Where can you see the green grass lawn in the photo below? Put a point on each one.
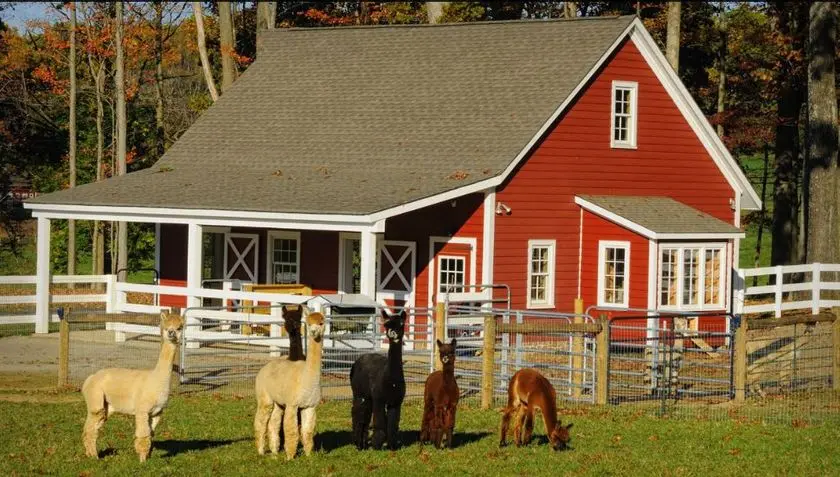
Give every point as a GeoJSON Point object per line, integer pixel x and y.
{"type": "Point", "coordinates": [207, 435]}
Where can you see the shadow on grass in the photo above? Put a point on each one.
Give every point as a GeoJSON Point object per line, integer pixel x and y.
{"type": "Point", "coordinates": [175, 447]}
{"type": "Point", "coordinates": [329, 441]}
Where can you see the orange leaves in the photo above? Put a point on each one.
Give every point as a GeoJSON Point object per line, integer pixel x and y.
{"type": "Point", "coordinates": [47, 75]}
{"type": "Point", "coordinates": [319, 17]}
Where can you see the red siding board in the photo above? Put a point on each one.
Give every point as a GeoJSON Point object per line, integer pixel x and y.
{"type": "Point", "coordinates": [576, 158]}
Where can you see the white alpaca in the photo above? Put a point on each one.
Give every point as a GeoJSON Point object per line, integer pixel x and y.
{"type": "Point", "coordinates": [282, 388]}
{"type": "Point", "coordinates": [141, 392]}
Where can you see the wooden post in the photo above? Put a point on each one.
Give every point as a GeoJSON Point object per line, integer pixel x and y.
{"type": "Point", "coordinates": [577, 373]}
{"type": "Point", "coordinates": [63, 352]}
{"type": "Point", "coordinates": [835, 343]}
{"type": "Point", "coordinates": [488, 363]}
{"type": "Point", "coordinates": [740, 368]}
{"type": "Point", "coordinates": [440, 331]}
{"type": "Point", "coordinates": [602, 371]}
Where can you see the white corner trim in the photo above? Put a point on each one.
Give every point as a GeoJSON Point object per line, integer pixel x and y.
{"type": "Point", "coordinates": [488, 239]}
{"type": "Point", "coordinates": [551, 244]}
{"type": "Point", "coordinates": [580, 254]}
{"type": "Point", "coordinates": [342, 236]}
{"type": "Point", "coordinates": [693, 115]}
{"type": "Point", "coordinates": [603, 245]}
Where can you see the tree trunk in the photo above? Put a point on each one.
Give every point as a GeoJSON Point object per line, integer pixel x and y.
{"type": "Point", "coordinates": [119, 84]}
{"type": "Point", "coordinates": [672, 45]}
{"type": "Point", "coordinates": [160, 132]}
{"type": "Point", "coordinates": [823, 201]}
{"type": "Point", "coordinates": [226, 45]}
{"type": "Point", "coordinates": [71, 224]}
{"type": "Point", "coordinates": [570, 9]}
{"type": "Point", "coordinates": [266, 15]}
{"type": "Point", "coordinates": [98, 75]}
{"type": "Point", "coordinates": [434, 10]}
{"type": "Point", "coordinates": [202, 51]}
{"type": "Point", "coordinates": [721, 100]}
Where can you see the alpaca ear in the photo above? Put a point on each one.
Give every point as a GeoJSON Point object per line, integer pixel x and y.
{"type": "Point", "coordinates": [439, 343]}
{"type": "Point", "coordinates": [162, 317]}
{"type": "Point", "coordinates": [454, 342]}
{"type": "Point", "coordinates": [384, 315]}
{"type": "Point", "coordinates": [305, 311]}
{"type": "Point", "coordinates": [569, 426]}
{"type": "Point", "coordinates": [284, 309]}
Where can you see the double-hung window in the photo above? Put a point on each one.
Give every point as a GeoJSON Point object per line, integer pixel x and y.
{"type": "Point", "coordinates": [691, 276]}
{"type": "Point", "coordinates": [624, 117]}
{"type": "Point", "coordinates": [540, 274]}
{"type": "Point", "coordinates": [613, 274]}
{"type": "Point", "coordinates": [451, 274]}
{"type": "Point", "coordinates": [283, 257]}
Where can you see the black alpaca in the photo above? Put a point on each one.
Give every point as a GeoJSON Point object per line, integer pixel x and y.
{"type": "Point", "coordinates": [378, 385]}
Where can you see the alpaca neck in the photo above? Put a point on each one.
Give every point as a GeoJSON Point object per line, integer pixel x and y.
{"type": "Point", "coordinates": [295, 347]}
{"type": "Point", "coordinates": [395, 367]}
{"type": "Point", "coordinates": [313, 358]}
{"type": "Point", "coordinates": [548, 409]}
{"type": "Point", "coordinates": [165, 359]}
{"type": "Point", "coordinates": [448, 372]}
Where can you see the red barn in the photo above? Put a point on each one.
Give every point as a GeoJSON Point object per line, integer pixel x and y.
{"type": "Point", "coordinates": [563, 159]}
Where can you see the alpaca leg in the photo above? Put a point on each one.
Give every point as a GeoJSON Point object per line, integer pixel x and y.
{"type": "Point", "coordinates": [506, 416]}
{"type": "Point", "coordinates": [307, 426]}
{"type": "Point", "coordinates": [290, 431]}
{"type": "Point", "coordinates": [273, 431]}
{"type": "Point", "coordinates": [519, 420]}
{"type": "Point", "coordinates": [142, 435]}
{"type": "Point", "coordinates": [426, 425]}
{"type": "Point", "coordinates": [93, 423]}
{"type": "Point", "coordinates": [380, 423]}
{"type": "Point", "coordinates": [437, 432]}
{"type": "Point", "coordinates": [362, 410]}
{"type": "Point", "coordinates": [529, 426]}
{"type": "Point", "coordinates": [393, 430]}
{"type": "Point", "coordinates": [155, 422]}
{"type": "Point", "coordinates": [450, 426]}
{"type": "Point", "coordinates": [261, 422]}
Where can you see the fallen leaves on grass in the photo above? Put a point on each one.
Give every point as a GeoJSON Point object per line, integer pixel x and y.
{"type": "Point", "coordinates": [653, 437]}
{"type": "Point", "coordinates": [799, 423]}
{"type": "Point", "coordinates": [734, 451]}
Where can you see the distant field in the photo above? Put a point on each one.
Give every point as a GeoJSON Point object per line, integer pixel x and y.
{"type": "Point", "coordinates": [212, 435]}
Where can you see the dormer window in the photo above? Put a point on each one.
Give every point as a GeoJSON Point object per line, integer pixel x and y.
{"type": "Point", "coordinates": [624, 114]}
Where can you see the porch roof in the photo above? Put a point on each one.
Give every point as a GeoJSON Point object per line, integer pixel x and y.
{"type": "Point", "coordinates": [357, 120]}
{"type": "Point", "coordinates": [658, 217]}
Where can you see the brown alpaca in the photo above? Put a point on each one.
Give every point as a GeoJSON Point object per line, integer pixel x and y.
{"type": "Point", "coordinates": [139, 392]}
{"type": "Point", "coordinates": [440, 399]}
{"type": "Point", "coordinates": [528, 390]}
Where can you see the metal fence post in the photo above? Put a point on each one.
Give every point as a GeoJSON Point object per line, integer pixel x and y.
{"type": "Point", "coordinates": [577, 353]}
{"type": "Point", "coordinates": [63, 349]}
{"type": "Point", "coordinates": [602, 372]}
{"type": "Point", "coordinates": [740, 368]}
{"type": "Point", "coordinates": [519, 341]}
{"type": "Point", "coordinates": [440, 330]}
{"type": "Point", "coordinates": [488, 356]}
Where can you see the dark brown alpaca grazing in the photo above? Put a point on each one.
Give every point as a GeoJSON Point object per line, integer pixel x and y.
{"type": "Point", "coordinates": [529, 390]}
{"type": "Point", "coordinates": [440, 400]}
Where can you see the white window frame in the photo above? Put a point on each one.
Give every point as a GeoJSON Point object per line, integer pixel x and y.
{"type": "Point", "coordinates": [551, 245]}
{"type": "Point", "coordinates": [701, 270]}
{"type": "Point", "coordinates": [269, 262]}
{"type": "Point", "coordinates": [440, 260]}
{"type": "Point", "coordinates": [632, 123]}
{"type": "Point", "coordinates": [603, 245]}
{"type": "Point", "coordinates": [343, 237]}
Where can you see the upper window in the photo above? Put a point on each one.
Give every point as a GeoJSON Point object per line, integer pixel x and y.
{"type": "Point", "coordinates": [283, 257]}
{"type": "Point", "coordinates": [624, 114]}
{"type": "Point", "coordinates": [451, 274]}
{"type": "Point", "coordinates": [540, 274]}
{"type": "Point", "coordinates": [613, 273]}
{"type": "Point", "coordinates": [691, 276]}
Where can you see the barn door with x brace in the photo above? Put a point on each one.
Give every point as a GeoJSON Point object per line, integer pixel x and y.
{"type": "Point", "coordinates": [395, 277]}
{"type": "Point", "coordinates": [241, 256]}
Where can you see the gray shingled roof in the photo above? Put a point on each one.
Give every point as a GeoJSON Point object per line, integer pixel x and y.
{"type": "Point", "coordinates": [661, 215]}
{"type": "Point", "coordinates": [355, 120]}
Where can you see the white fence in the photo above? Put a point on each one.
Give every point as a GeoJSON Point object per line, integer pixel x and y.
{"type": "Point", "coordinates": [24, 300]}
{"type": "Point", "coordinates": [795, 287]}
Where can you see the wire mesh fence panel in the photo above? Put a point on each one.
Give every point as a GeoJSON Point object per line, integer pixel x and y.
{"type": "Point", "coordinates": [672, 362]}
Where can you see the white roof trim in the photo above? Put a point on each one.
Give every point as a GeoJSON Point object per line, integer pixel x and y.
{"type": "Point", "coordinates": [646, 232]}
{"type": "Point", "coordinates": [694, 116]}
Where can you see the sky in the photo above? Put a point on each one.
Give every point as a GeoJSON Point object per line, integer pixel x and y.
{"type": "Point", "coordinates": [20, 12]}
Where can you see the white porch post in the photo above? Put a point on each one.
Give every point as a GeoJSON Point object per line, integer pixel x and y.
{"type": "Point", "coordinates": [368, 251]}
{"type": "Point", "coordinates": [488, 240]}
{"type": "Point", "coordinates": [194, 244]}
{"type": "Point", "coordinates": [42, 283]}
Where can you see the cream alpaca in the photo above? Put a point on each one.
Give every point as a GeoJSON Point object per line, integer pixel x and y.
{"type": "Point", "coordinates": [282, 388]}
{"type": "Point", "coordinates": [141, 392]}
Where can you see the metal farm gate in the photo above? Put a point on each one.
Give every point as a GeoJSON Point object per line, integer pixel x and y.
{"type": "Point", "coordinates": [227, 346]}
{"type": "Point", "coordinates": [668, 358]}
